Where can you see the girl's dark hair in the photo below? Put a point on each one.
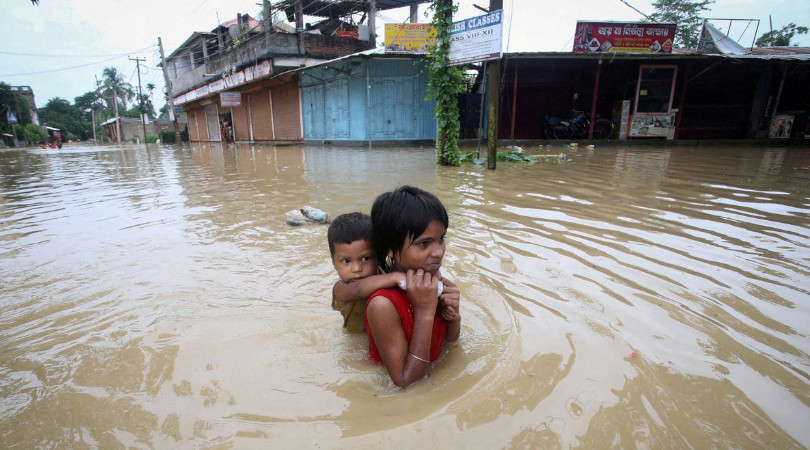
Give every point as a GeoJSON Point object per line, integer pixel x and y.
{"type": "Point", "coordinates": [403, 213]}
{"type": "Point", "coordinates": [347, 228]}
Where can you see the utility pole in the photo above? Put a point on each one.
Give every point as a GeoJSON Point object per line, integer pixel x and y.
{"type": "Point", "coordinates": [372, 22]}
{"type": "Point", "coordinates": [140, 96]}
{"type": "Point", "coordinates": [100, 95]}
{"type": "Point", "coordinates": [494, 99]}
{"type": "Point", "coordinates": [267, 12]}
{"type": "Point", "coordinates": [169, 95]}
{"type": "Point", "coordinates": [299, 25]}
{"type": "Point", "coordinates": [93, 118]}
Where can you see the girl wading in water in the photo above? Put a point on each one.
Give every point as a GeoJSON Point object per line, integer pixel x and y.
{"type": "Point", "coordinates": [407, 328]}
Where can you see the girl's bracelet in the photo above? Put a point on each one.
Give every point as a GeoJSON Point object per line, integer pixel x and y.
{"type": "Point", "coordinates": [418, 358]}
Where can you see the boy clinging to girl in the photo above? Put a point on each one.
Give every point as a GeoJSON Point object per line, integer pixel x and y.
{"type": "Point", "coordinates": [352, 250]}
{"type": "Point", "coordinates": [354, 259]}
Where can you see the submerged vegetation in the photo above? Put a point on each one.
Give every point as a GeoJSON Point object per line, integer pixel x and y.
{"type": "Point", "coordinates": [512, 156]}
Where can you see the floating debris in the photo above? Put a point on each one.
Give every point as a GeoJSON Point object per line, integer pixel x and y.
{"type": "Point", "coordinates": [514, 157]}
{"type": "Point", "coordinates": [307, 214]}
{"type": "Point", "coordinates": [552, 158]}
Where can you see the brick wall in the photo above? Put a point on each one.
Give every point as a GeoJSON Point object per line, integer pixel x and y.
{"type": "Point", "coordinates": [329, 47]}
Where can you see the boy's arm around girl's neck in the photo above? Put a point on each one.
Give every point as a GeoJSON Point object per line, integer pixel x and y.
{"type": "Point", "coordinates": [362, 289]}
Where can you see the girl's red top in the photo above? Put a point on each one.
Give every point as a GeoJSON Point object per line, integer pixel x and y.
{"type": "Point", "coordinates": [400, 300]}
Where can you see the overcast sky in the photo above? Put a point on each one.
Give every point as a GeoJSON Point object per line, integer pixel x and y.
{"type": "Point", "coordinates": [59, 47]}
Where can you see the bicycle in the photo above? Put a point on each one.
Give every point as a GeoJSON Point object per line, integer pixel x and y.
{"type": "Point", "coordinates": [578, 125]}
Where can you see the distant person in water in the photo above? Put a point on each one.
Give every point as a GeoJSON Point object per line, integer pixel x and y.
{"type": "Point", "coordinates": [350, 244]}
{"type": "Point", "coordinates": [408, 328]}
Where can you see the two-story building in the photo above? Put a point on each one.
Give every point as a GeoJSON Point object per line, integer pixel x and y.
{"type": "Point", "coordinates": [28, 93]}
{"type": "Point", "coordinates": [239, 81]}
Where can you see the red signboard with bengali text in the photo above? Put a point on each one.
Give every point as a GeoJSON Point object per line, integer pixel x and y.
{"type": "Point", "coordinates": [630, 37]}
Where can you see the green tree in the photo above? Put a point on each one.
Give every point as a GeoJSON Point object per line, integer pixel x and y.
{"type": "Point", "coordinates": [115, 87]}
{"type": "Point", "coordinates": [134, 112]}
{"type": "Point", "coordinates": [60, 113]}
{"type": "Point", "coordinates": [115, 90]}
{"type": "Point", "coordinates": [780, 38]}
{"type": "Point", "coordinates": [16, 103]}
{"type": "Point", "coordinates": [444, 84]}
{"type": "Point", "coordinates": [35, 133]}
{"type": "Point", "coordinates": [686, 14]}
{"type": "Point", "coordinates": [88, 103]}
{"type": "Point", "coordinates": [148, 105]}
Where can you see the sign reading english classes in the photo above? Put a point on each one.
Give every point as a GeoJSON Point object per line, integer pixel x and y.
{"type": "Point", "coordinates": [476, 39]}
{"type": "Point", "coordinates": [629, 37]}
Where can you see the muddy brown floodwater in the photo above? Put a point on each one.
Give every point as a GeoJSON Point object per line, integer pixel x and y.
{"type": "Point", "coordinates": [627, 297]}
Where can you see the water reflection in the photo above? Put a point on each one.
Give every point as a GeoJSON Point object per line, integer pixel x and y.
{"type": "Point", "coordinates": [626, 297]}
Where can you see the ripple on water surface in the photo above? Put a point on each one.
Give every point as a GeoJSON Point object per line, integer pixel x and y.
{"type": "Point", "coordinates": [627, 296]}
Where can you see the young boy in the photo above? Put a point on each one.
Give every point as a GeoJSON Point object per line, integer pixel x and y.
{"type": "Point", "coordinates": [353, 256]}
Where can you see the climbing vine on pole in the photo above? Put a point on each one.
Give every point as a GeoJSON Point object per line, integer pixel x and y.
{"type": "Point", "coordinates": [444, 84]}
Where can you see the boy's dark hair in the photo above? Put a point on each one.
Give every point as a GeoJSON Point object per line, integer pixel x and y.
{"type": "Point", "coordinates": [347, 228]}
{"type": "Point", "coordinates": [404, 212]}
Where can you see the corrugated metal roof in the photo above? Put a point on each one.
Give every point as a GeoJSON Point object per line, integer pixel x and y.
{"type": "Point", "coordinates": [378, 52]}
{"type": "Point", "coordinates": [762, 53]}
{"type": "Point", "coordinates": [789, 50]}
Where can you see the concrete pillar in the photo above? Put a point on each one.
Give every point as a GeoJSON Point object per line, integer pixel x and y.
{"type": "Point", "coordinates": [372, 21]}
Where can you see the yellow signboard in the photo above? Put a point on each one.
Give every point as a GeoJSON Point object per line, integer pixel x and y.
{"type": "Point", "coordinates": [409, 37]}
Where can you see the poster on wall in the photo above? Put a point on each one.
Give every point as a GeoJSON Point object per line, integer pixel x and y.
{"type": "Point", "coordinates": [630, 37]}
{"type": "Point", "coordinates": [230, 99]}
{"type": "Point", "coordinates": [409, 37]}
{"type": "Point", "coordinates": [651, 125]}
{"type": "Point", "coordinates": [781, 126]}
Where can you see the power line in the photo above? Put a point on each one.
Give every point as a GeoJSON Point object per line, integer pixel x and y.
{"type": "Point", "coordinates": [74, 67]}
{"type": "Point", "coordinates": [62, 55]}
{"type": "Point", "coordinates": [637, 10]}
{"type": "Point", "coordinates": [59, 70]}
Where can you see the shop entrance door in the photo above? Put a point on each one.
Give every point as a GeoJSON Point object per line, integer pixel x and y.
{"type": "Point", "coordinates": [212, 123]}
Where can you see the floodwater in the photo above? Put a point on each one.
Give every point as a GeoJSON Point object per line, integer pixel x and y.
{"type": "Point", "coordinates": [627, 297]}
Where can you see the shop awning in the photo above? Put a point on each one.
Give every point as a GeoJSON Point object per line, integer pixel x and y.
{"type": "Point", "coordinates": [713, 40]}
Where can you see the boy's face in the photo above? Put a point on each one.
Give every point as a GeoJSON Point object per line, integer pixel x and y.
{"type": "Point", "coordinates": [354, 261]}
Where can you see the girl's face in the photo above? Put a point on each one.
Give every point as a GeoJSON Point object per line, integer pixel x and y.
{"type": "Point", "coordinates": [425, 252]}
